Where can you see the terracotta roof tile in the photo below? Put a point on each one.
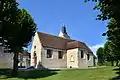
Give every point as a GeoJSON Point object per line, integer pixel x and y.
{"type": "Point", "coordinates": [52, 41]}
{"type": "Point", "coordinates": [74, 44]}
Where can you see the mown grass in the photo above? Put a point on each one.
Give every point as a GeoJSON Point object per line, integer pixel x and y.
{"type": "Point", "coordinates": [105, 73]}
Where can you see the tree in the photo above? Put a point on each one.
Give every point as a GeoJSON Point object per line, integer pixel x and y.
{"type": "Point", "coordinates": [20, 33]}
{"type": "Point", "coordinates": [17, 28]}
{"type": "Point", "coordinates": [110, 11]}
{"type": "Point", "coordinates": [108, 8]}
{"type": "Point", "coordinates": [100, 55]}
{"type": "Point", "coordinates": [108, 53]}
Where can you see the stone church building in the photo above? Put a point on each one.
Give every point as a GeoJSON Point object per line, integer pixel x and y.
{"type": "Point", "coordinates": [60, 51]}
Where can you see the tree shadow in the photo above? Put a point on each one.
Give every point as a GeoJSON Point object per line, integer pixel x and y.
{"type": "Point", "coordinates": [27, 74]}
{"type": "Point", "coordinates": [117, 71]}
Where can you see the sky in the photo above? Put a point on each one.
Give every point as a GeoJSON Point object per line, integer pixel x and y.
{"type": "Point", "coordinates": [78, 16]}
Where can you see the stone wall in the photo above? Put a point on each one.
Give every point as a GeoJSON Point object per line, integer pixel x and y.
{"type": "Point", "coordinates": [53, 62]}
{"type": "Point", "coordinates": [37, 50]}
{"type": "Point", "coordinates": [83, 62]}
{"type": "Point", "coordinates": [91, 60]}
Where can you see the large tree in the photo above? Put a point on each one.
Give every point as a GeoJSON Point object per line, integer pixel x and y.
{"type": "Point", "coordinates": [17, 28]}
{"type": "Point", "coordinates": [109, 10]}
{"type": "Point", "coordinates": [20, 33]}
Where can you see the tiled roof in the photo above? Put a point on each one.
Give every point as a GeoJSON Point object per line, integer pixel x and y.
{"type": "Point", "coordinates": [74, 44]}
{"type": "Point", "coordinates": [51, 41]}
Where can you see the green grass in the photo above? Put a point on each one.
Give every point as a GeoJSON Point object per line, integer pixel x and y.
{"type": "Point", "coordinates": [105, 73]}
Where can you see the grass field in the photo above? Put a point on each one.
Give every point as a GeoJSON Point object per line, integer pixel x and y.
{"type": "Point", "coordinates": [106, 73]}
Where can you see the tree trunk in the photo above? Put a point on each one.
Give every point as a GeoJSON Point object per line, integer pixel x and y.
{"type": "Point", "coordinates": [117, 63]}
{"type": "Point", "coordinates": [112, 63]}
{"type": "Point", "coordinates": [15, 63]}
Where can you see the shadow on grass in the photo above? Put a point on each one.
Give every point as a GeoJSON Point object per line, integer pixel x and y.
{"type": "Point", "coordinates": [27, 74]}
{"type": "Point", "coordinates": [117, 71]}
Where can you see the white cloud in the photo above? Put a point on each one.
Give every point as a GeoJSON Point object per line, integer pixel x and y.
{"type": "Point", "coordinates": [95, 47]}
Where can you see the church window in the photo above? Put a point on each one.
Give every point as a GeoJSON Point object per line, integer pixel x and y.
{"type": "Point", "coordinates": [88, 56]}
{"type": "Point", "coordinates": [60, 55]}
{"type": "Point", "coordinates": [82, 54]}
{"type": "Point", "coordinates": [49, 53]}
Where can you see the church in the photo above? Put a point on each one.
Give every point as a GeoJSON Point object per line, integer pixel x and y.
{"type": "Point", "coordinates": [50, 51]}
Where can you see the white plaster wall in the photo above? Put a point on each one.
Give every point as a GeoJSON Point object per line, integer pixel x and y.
{"type": "Point", "coordinates": [37, 43]}
{"type": "Point", "coordinates": [82, 62]}
{"type": "Point", "coordinates": [74, 53]}
{"type": "Point", "coordinates": [91, 60]}
{"type": "Point", "coordinates": [53, 62]}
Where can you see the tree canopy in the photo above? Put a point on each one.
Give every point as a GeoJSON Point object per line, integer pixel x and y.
{"type": "Point", "coordinates": [17, 27]}
{"type": "Point", "coordinates": [109, 10]}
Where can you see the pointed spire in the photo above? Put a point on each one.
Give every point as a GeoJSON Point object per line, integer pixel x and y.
{"type": "Point", "coordinates": [64, 29]}
{"type": "Point", "coordinates": [63, 32]}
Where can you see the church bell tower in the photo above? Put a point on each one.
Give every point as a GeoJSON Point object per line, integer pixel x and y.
{"type": "Point", "coordinates": [63, 32]}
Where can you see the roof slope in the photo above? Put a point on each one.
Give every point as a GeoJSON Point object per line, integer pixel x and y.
{"type": "Point", "coordinates": [56, 42]}
{"type": "Point", "coordinates": [52, 41]}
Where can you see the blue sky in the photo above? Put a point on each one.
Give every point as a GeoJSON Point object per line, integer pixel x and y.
{"type": "Point", "coordinates": [79, 17]}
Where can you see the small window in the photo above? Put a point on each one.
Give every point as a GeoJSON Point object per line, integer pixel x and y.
{"type": "Point", "coordinates": [60, 55]}
{"type": "Point", "coordinates": [34, 47]}
{"type": "Point", "coordinates": [88, 56]}
{"type": "Point", "coordinates": [82, 54]}
{"type": "Point", "coordinates": [49, 53]}
{"type": "Point", "coordinates": [34, 54]}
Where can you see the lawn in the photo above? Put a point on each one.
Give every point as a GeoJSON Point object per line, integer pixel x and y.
{"type": "Point", "coordinates": [105, 73]}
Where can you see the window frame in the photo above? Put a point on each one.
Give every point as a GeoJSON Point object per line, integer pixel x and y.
{"type": "Point", "coordinates": [49, 54]}
{"type": "Point", "coordinates": [60, 55]}
{"type": "Point", "coordinates": [82, 54]}
{"type": "Point", "coordinates": [88, 58]}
